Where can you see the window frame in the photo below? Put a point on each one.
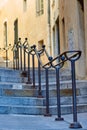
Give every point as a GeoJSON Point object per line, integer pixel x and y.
{"type": "Point", "coordinates": [39, 7]}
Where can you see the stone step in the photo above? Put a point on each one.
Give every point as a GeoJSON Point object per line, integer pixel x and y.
{"type": "Point", "coordinates": [7, 72]}
{"type": "Point", "coordinates": [66, 84]}
{"type": "Point", "coordinates": [9, 75]}
{"type": "Point", "coordinates": [18, 92]}
{"type": "Point", "coordinates": [39, 110]}
{"type": "Point", "coordinates": [19, 79]}
{"type": "Point", "coordinates": [35, 101]}
{"type": "Point", "coordinates": [68, 109]}
{"type": "Point", "coordinates": [63, 84]}
{"type": "Point", "coordinates": [52, 78]}
{"type": "Point", "coordinates": [25, 101]}
{"type": "Point", "coordinates": [63, 71]}
{"type": "Point", "coordinates": [34, 92]}
{"type": "Point", "coordinates": [21, 98]}
{"type": "Point", "coordinates": [13, 79]}
{"type": "Point", "coordinates": [9, 89]}
{"type": "Point", "coordinates": [64, 75]}
{"type": "Point", "coordinates": [10, 85]}
{"type": "Point", "coordinates": [4, 71]}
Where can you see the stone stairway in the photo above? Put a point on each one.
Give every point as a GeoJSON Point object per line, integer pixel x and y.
{"type": "Point", "coordinates": [17, 97]}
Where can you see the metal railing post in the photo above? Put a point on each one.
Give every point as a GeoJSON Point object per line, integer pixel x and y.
{"type": "Point", "coordinates": [39, 78]}
{"type": "Point", "coordinates": [38, 53]}
{"type": "Point", "coordinates": [59, 118]}
{"type": "Point", "coordinates": [6, 58]}
{"type": "Point", "coordinates": [47, 93]}
{"type": "Point", "coordinates": [24, 60]}
{"type": "Point", "coordinates": [33, 65]}
{"type": "Point", "coordinates": [75, 123]}
{"type": "Point", "coordinates": [18, 59]}
{"type": "Point", "coordinates": [72, 56]}
{"type": "Point", "coordinates": [21, 57]}
{"type": "Point", "coordinates": [29, 80]}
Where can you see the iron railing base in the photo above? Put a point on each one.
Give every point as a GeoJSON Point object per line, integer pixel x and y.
{"type": "Point", "coordinates": [75, 125]}
{"type": "Point", "coordinates": [59, 119]}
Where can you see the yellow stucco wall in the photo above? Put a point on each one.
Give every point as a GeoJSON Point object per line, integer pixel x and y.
{"type": "Point", "coordinates": [72, 30]}
{"type": "Point", "coordinates": [72, 26]}
{"type": "Point", "coordinates": [29, 24]}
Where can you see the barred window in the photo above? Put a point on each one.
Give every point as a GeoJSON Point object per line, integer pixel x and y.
{"type": "Point", "coordinates": [39, 7]}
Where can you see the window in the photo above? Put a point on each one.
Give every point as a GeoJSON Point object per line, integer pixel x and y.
{"type": "Point", "coordinates": [5, 34]}
{"type": "Point", "coordinates": [63, 33]}
{"type": "Point", "coordinates": [16, 36]}
{"type": "Point", "coordinates": [39, 7]}
{"type": "Point", "coordinates": [16, 30]}
{"type": "Point", "coordinates": [40, 44]}
{"type": "Point", "coordinates": [82, 4]}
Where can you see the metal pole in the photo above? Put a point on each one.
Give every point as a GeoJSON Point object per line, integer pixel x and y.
{"type": "Point", "coordinates": [21, 57]}
{"type": "Point", "coordinates": [75, 124]}
{"type": "Point", "coordinates": [39, 79]}
{"type": "Point", "coordinates": [13, 61]}
{"type": "Point", "coordinates": [16, 60]}
{"type": "Point", "coordinates": [24, 60]}
{"type": "Point", "coordinates": [47, 94]}
{"type": "Point", "coordinates": [59, 118]}
{"type": "Point", "coordinates": [29, 80]}
{"type": "Point", "coordinates": [33, 65]}
{"type": "Point", "coordinates": [18, 57]}
{"type": "Point", "coordinates": [6, 58]}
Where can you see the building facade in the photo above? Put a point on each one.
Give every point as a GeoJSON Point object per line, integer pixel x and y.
{"type": "Point", "coordinates": [55, 42]}
{"type": "Point", "coordinates": [59, 24]}
{"type": "Point", "coordinates": [73, 33]}
{"type": "Point", "coordinates": [23, 18]}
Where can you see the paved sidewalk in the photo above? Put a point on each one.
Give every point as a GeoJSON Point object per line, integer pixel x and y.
{"type": "Point", "coordinates": [25, 122]}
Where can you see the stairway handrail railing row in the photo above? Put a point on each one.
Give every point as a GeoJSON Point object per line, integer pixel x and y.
{"type": "Point", "coordinates": [57, 63]}
{"type": "Point", "coordinates": [71, 56]}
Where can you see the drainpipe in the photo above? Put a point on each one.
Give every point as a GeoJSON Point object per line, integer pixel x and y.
{"type": "Point", "coordinates": [49, 28]}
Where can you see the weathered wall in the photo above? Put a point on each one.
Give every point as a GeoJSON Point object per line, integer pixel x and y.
{"type": "Point", "coordinates": [29, 24]}
{"type": "Point", "coordinates": [85, 29]}
{"type": "Point", "coordinates": [55, 27]}
{"type": "Point", "coordinates": [72, 34]}
{"type": "Point", "coordinates": [72, 26]}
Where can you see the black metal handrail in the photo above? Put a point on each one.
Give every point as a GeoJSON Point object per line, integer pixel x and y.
{"type": "Point", "coordinates": [38, 53]}
{"type": "Point", "coordinates": [16, 48]}
{"type": "Point", "coordinates": [64, 57]}
{"type": "Point", "coordinates": [71, 56]}
{"type": "Point", "coordinates": [57, 63]}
